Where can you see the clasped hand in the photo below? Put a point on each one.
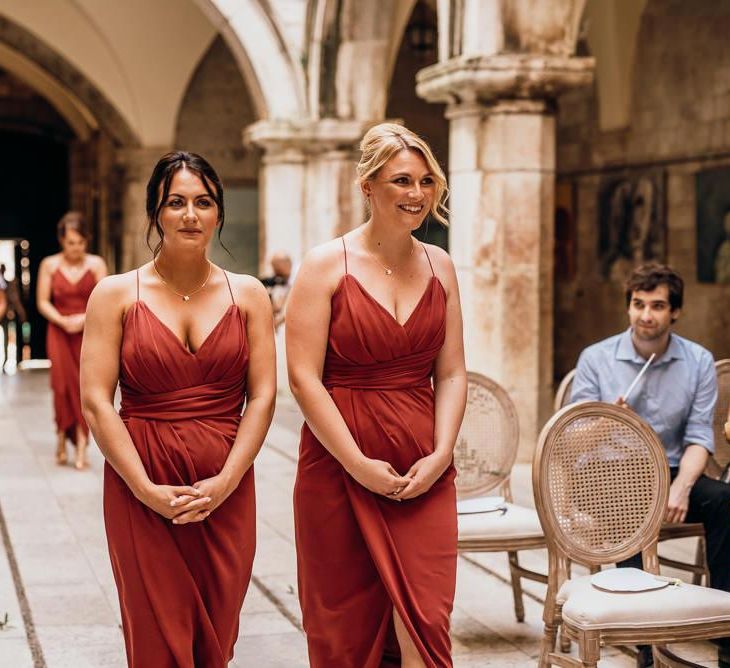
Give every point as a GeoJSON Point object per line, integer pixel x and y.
{"type": "Point", "coordinates": [380, 477]}
{"type": "Point", "coordinates": [73, 324]}
{"type": "Point", "coordinates": [188, 503]}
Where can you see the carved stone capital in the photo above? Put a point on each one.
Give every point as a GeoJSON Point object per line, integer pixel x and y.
{"type": "Point", "coordinates": [292, 140]}
{"type": "Point", "coordinates": [487, 79]}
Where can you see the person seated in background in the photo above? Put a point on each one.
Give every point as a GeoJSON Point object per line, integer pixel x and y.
{"type": "Point", "coordinates": [676, 397]}
{"type": "Point", "coordinates": [278, 285]}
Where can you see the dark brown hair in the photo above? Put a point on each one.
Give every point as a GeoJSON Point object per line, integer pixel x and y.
{"type": "Point", "coordinates": [72, 220]}
{"type": "Point", "coordinates": [158, 188]}
{"type": "Point", "coordinates": [647, 277]}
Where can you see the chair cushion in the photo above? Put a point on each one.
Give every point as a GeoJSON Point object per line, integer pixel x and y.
{"type": "Point", "coordinates": [517, 522]}
{"type": "Point", "coordinates": [587, 607]}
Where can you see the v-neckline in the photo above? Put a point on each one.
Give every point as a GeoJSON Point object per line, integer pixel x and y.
{"type": "Point", "coordinates": [168, 329]}
{"type": "Point", "coordinates": [68, 280]}
{"type": "Point", "coordinates": [382, 308]}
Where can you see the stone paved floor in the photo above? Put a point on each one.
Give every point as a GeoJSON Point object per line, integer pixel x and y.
{"type": "Point", "coordinates": [58, 568]}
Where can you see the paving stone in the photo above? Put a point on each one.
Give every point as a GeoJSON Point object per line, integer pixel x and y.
{"type": "Point", "coordinates": [285, 650]}
{"type": "Point", "coordinates": [55, 520]}
{"type": "Point", "coordinates": [14, 652]}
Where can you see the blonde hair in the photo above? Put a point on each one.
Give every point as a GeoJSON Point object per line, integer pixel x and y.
{"type": "Point", "coordinates": [382, 142]}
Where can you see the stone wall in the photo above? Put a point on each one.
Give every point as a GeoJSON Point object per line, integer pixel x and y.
{"type": "Point", "coordinates": [427, 119]}
{"type": "Point", "coordinates": [679, 126]}
{"type": "Point", "coordinates": [215, 110]}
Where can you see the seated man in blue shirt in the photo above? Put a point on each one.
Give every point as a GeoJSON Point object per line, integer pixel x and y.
{"type": "Point", "coordinates": [676, 396]}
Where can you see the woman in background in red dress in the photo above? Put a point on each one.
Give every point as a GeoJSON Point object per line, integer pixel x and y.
{"type": "Point", "coordinates": [376, 362]}
{"type": "Point", "coordinates": [189, 344]}
{"type": "Point", "coordinates": [65, 281]}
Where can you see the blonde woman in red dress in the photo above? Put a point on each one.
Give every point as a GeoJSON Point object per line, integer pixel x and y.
{"type": "Point", "coordinates": [65, 281]}
{"type": "Point", "coordinates": [376, 362]}
{"type": "Point", "coordinates": [190, 345]}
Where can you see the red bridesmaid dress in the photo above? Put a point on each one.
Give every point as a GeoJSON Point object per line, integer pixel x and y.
{"type": "Point", "coordinates": [181, 587]}
{"type": "Point", "coordinates": [64, 351]}
{"type": "Point", "coordinates": [360, 554]}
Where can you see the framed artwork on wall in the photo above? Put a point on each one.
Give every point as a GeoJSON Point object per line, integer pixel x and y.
{"type": "Point", "coordinates": [632, 221]}
{"type": "Point", "coordinates": [712, 188]}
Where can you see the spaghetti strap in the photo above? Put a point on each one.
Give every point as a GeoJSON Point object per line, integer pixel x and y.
{"type": "Point", "coordinates": [137, 284]}
{"type": "Point", "coordinates": [229, 286]}
{"type": "Point", "coordinates": [433, 273]}
{"type": "Point", "coordinates": [344, 248]}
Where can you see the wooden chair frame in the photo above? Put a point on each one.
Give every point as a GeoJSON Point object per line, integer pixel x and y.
{"type": "Point", "coordinates": [498, 482]}
{"type": "Point", "coordinates": [562, 396]}
{"type": "Point", "coordinates": [721, 458]}
{"type": "Point", "coordinates": [561, 533]}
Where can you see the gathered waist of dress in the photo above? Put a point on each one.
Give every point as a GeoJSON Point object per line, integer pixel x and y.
{"type": "Point", "coordinates": [400, 374]}
{"type": "Point", "coordinates": [211, 400]}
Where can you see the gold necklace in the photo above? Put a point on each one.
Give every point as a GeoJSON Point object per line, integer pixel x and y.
{"type": "Point", "coordinates": [185, 298]}
{"type": "Point", "coordinates": [388, 271]}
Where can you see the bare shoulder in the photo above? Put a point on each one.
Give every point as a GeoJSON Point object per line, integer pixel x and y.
{"type": "Point", "coordinates": [114, 294]}
{"type": "Point", "coordinates": [96, 261]}
{"type": "Point", "coordinates": [246, 285]}
{"type": "Point", "coordinates": [442, 263]}
{"type": "Point", "coordinates": [248, 291]}
{"type": "Point", "coordinates": [324, 263]}
{"type": "Point", "coordinates": [50, 263]}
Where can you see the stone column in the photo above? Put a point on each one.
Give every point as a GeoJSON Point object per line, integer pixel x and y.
{"type": "Point", "coordinates": [502, 180]}
{"type": "Point", "coordinates": [307, 191]}
{"type": "Point", "coordinates": [136, 165]}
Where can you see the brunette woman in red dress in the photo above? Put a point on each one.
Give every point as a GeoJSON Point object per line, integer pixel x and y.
{"type": "Point", "coordinates": [190, 345]}
{"type": "Point", "coordinates": [376, 362]}
{"type": "Point", "coordinates": [65, 281]}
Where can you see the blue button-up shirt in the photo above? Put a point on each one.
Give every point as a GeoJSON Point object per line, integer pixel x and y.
{"type": "Point", "coordinates": [676, 395]}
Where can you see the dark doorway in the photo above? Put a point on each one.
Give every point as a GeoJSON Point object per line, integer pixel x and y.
{"type": "Point", "coordinates": [34, 191]}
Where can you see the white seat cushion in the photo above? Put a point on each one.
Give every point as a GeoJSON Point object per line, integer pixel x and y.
{"type": "Point", "coordinates": [517, 522]}
{"type": "Point", "coordinates": [587, 607]}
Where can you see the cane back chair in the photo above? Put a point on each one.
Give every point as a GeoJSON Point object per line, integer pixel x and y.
{"type": "Point", "coordinates": [486, 448]}
{"type": "Point", "coordinates": [601, 483]}
{"type": "Point", "coordinates": [562, 396]}
{"type": "Point", "coordinates": [699, 569]}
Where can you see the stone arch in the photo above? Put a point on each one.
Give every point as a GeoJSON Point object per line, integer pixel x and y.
{"type": "Point", "coordinates": [213, 130]}
{"type": "Point", "coordinates": [267, 62]}
{"type": "Point", "coordinates": [351, 51]}
{"type": "Point", "coordinates": [74, 96]}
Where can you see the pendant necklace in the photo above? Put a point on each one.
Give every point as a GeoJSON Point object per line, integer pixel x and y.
{"type": "Point", "coordinates": [388, 270]}
{"type": "Point", "coordinates": [185, 298]}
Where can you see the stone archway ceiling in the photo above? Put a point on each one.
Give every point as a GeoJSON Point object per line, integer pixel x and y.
{"type": "Point", "coordinates": [352, 47]}
{"type": "Point", "coordinates": [75, 97]}
{"type": "Point", "coordinates": [140, 55]}
{"type": "Point", "coordinates": [23, 109]}
{"type": "Point", "coordinates": [268, 55]}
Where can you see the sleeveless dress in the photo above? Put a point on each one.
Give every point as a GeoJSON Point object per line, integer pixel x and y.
{"type": "Point", "coordinates": [181, 587]}
{"type": "Point", "coordinates": [360, 554]}
{"type": "Point", "coordinates": [64, 351]}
